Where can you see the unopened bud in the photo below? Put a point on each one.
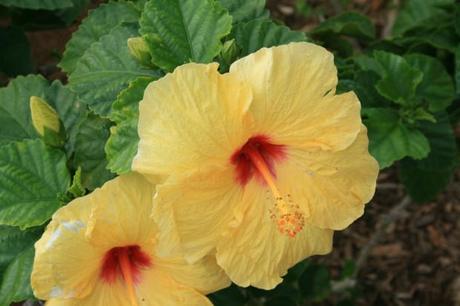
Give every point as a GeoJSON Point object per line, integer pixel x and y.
{"type": "Point", "coordinates": [140, 50]}
{"type": "Point", "coordinates": [43, 116]}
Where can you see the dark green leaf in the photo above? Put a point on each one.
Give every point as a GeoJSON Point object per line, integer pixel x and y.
{"type": "Point", "coordinates": [15, 56]}
{"type": "Point", "coordinates": [32, 178]}
{"type": "Point", "coordinates": [38, 4]}
{"type": "Point", "coordinates": [315, 282]}
{"type": "Point", "coordinates": [419, 12]}
{"type": "Point", "coordinates": [105, 69]}
{"type": "Point", "coordinates": [457, 69]}
{"type": "Point", "coordinates": [390, 139]}
{"type": "Point", "coordinates": [231, 296]}
{"type": "Point", "coordinates": [436, 88]}
{"type": "Point", "coordinates": [98, 23]}
{"type": "Point", "coordinates": [256, 34]}
{"type": "Point", "coordinates": [281, 301]}
{"type": "Point", "coordinates": [399, 80]}
{"type": "Point", "coordinates": [122, 144]}
{"type": "Point", "coordinates": [244, 11]}
{"type": "Point", "coordinates": [13, 241]}
{"type": "Point", "coordinates": [425, 178]}
{"type": "Point", "coordinates": [182, 31]}
{"type": "Point", "coordinates": [68, 15]}
{"type": "Point", "coordinates": [89, 151]}
{"type": "Point", "coordinates": [15, 286]}
{"type": "Point", "coordinates": [350, 24]}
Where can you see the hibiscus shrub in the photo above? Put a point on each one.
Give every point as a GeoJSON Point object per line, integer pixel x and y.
{"type": "Point", "coordinates": [60, 141]}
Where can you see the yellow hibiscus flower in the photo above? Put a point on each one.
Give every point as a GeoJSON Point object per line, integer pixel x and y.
{"type": "Point", "coordinates": [100, 250]}
{"type": "Point", "coordinates": [261, 164]}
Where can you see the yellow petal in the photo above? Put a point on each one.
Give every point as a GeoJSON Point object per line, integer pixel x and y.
{"type": "Point", "coordinates": [65, 265]}
{"type": "Point", "coordinates": [257, 254]}
{"type": "Point", "coordinates": [336, 185]}
{"type": "Point", "coordinates": [121, 213]}
{"type": "Point", "coordinates": [294, 103]}
{"type": "Point", "coordinates": [159, 289]}
{"type": "Point", "coordinates": [190, 118]}
{"type": "Point", "coordinates": [193, 211]}
{"type": "Point", "coordinates": [204, 275]}
{"type": "Point", "coordinates": [102, 295]}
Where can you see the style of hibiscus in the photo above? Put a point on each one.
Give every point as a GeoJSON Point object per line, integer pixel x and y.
{"type": "Point", "coordinates": [259, 164]}
{"type": "Point", "coordinates": [100, 250]}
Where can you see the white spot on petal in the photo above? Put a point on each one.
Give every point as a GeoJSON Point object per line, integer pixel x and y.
{"type": "Point", "coordinates": [54, 236]}
{"type": "Point", "coordinates": [73, 226]}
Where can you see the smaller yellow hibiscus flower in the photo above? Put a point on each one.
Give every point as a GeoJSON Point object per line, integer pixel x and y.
{"type": "Point", "coordinates": [261, 163]}
{"type": "Point", "coordinates": [100, 250]}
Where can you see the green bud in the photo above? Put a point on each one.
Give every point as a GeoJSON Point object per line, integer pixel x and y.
{"type": "Point", "coordinates": [43, 116]}
{"type": "Point", "coordinates": [139, 50]}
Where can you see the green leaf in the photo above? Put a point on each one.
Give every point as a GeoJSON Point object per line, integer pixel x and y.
{"type": "Point", "coordinates": [425, 178]}
{"type": "Point", "coordinates": [122, 144]}
{"type": "Point", "coordinates": [231, 296]}
{"type": "Point", "coordinates": [350, 24]}
{"type": "Point", "coordinates": [15, 56]}
{"type": "Point", "coordinates": [76, 189]}
{"type": "Point", "coordinates": [15, 286]}
{"type": "Point", "coordinates": [98, 23]}
{"type": "Point", "coordinates": [419, 12]}
{"type": "Point", "coordinates": [105, 69]}
{"type": "Point", "coordinates": [399, 80]}
{"type": "Point", "coordinates": [315, 282]}
{"type": "Point", "coordinates": [13, 241]}
{"type": "Point", "coordinates": [256, 34]}
{"type": "Point", "coordinates": [89, 151]}
{"type": "Point", "coordinates": [68, 15]}
{"type": "Point", "coordinates": [15, 107]}
{"type": "Point", "coordinates": [244, 11]}
{"type": "Point", "coordinates": [457, 18]}
{"type": "Point", "coordinates": [182, 31]}
{"type": "Point", "coordinates": [390, 139]}
{"type": "Point", "coordinates": [32, 178]}
{"type": "Point", "coordinates": [38, 4]}
{"type": "Point", "coordinates": [436, 88]}
{"type": "Point", "coordinates": [457, 69]}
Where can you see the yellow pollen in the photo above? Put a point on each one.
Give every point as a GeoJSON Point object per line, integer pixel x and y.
{"type": "Point", "coordinates": [287, 216]}
{"type": "Point", "coordinates": [128, 277]}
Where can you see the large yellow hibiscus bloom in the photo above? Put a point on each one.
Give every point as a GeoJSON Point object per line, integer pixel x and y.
{"type": "Point", "coordinates": [100, 250]}
{"type": "Point", "coordinates": [260, 164]}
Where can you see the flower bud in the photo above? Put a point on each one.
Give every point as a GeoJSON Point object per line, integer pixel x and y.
{"type": "Point", "coordinates": [139, 50]}
{"type": "Point", "coordinates": [43, 116]}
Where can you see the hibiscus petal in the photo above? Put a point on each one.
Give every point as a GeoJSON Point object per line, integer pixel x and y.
{"type": "Point", "coordinates": [159, 289]}
{"type": "Point", "coordinates": [194, 210]}
{"type": "Point", "coordinates": [335, 185]}
{"type": "Point", "coordinates": [205, 275]}
{"type": "Point", "coordinates": [189, 119]}
{"type": "Point", "coordinates": [257, 254]}
{"type": "Point", "coordinates": [294, 103]}
{"type": "Point", "coordinates": [72, 275]}
{"type": "Point", "coordinates": [121, 213]}
{"type": "Point", "coordinates": [114, 294]}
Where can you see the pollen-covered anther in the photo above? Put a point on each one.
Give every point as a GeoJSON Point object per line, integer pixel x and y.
{"type": "Point", "coordinates": [287, 216]}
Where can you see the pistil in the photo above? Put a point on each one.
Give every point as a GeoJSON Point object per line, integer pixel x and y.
{"type": "Point", "coordinates": [126, 271]}
{"type": "Point", "coordinates": [285, 213]}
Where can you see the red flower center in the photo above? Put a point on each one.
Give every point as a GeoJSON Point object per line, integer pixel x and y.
{"type": "Point", "coordinates": [257, 152]}
{"type": "Point", "coordinates": [257, 158]}
{"type": "Point", "coordinates": [124, 262]}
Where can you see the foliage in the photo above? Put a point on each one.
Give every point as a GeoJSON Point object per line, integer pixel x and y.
{"type": "Point", "coordinates": [408, 84]}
